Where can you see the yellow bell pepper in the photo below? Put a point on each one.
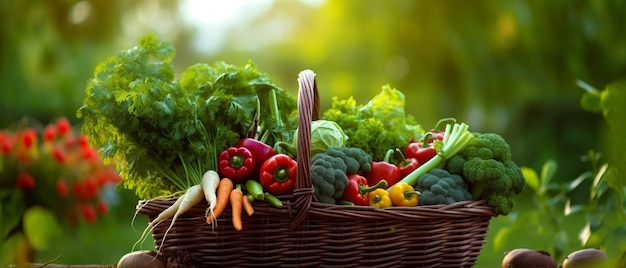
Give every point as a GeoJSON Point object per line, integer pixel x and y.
{"type": "Point", "coordinates": [379, 198]}
{"type": "Point", "coordinates": [403, 194]}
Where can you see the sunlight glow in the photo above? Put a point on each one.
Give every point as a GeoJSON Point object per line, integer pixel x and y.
{"type": "Point", "coordinates": [79, 12]}
{"type": "Point", "coordinates": [213, 18]}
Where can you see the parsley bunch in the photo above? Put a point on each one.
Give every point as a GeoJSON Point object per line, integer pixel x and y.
{"type": "Point", "coordinates": [163, 132]}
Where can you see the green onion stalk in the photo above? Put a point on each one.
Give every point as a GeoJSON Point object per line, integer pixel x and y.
{"type": "Point", "coordinates": [455, 139]}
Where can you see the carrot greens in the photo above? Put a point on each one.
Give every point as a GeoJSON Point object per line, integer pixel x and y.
{"type": "Point", "coordinates": [165, 131]}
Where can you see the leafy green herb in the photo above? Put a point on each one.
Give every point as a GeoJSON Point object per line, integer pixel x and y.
{"type": "Point", "coordinates": [165, 133]}
{"type": "Point", "coordinates": [377, 126]}
{"type": "Point", "coordinates": [611, 101]}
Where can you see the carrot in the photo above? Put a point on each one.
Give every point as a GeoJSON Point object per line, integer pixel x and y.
{"type": "Point", "coordinates": [247, 205]}
{"type": "Point", "coordinates": [210, 181]}
{"type": "Point", "coordinates": [236, 204]}
{"type": "Point", "coordinates": [223, 195]}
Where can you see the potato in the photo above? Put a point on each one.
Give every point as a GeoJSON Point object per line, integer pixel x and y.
{"type": "Point", "coordinates": [141, 259]}
{"type": "Point", "coordinates": [528, 258]}
{"type": "Point", "coordinates": [585, 258]}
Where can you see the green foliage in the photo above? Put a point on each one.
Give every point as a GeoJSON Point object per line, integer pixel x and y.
{"type": "Point", "coordinates": [556, 206]}
{"type": "Point", "coordinates": [41, 227]}
{"type": "Point", "coordinates": [376, 126]}
{"type": "Point", "coordinates": [562, 225]}
{"type": "Point", "coordinates": [165, 134]}
{"type": "Point", "coordinates": [11, 210]}
{"type": "Point", "coordinates": [50, 48]}
{"type": "Point", "coordinates": [611, 102]}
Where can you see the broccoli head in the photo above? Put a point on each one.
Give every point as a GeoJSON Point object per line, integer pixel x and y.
{"type": "Point", "coordinates": [356, 160]}
{"type": "Point", "coordinates": [486, 166]}
{"type": "Point", "coordinates": [438, 186]}
{"type": "Point", "coordinates": [330, 169]}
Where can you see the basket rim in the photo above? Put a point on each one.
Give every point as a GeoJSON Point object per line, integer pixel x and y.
{"type": "Point", "coordinates": [461, 209]}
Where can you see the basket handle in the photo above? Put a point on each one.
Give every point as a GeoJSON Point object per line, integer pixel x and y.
{"type": "Point", "coordinates": [308, 110]}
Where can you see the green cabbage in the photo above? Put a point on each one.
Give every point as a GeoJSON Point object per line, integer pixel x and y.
{"type": "Point", "coordinates": [324, 134]}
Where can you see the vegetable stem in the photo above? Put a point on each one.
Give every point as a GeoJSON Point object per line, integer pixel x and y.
{"type": "Point", "coordinates": [286, 148]}
{"type": "Point", "coordinates": [274, 108]}
{"type": "Point", "coordinates": [427, 136]}
{"type": "Point", "coordinates": [443, 120]}
{"type": "Point", "coordinates": [409, 194]}
{"type": "Point", "coordinates": [387, 157]}
{"type": "Point", "coordinates": [363, 190]}
{"type": "Point", "coordinates": [455, 139]}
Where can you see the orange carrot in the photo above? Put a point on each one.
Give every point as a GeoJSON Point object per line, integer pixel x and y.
{"type": "Point", "coordinates": [236, 204]}
{"type": "Point", "coordinates": [247, 205]}
{"type": "Point", "coordinates": [223, 195]}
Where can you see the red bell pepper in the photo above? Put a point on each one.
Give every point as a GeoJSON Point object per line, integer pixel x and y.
{"type": "Point", "coordinates": [260, 151]}
{"type": "Point", "coordinates": [236, 163]}
{"type": "Point", "coordinates": [357, 190]}
{"type": "Point", "coordinates": [278, 174]}
{"type": "Point", "coordinates": [405, 165]}
{"type": "Point", "coordinates": [385, 170]}
{"type": "Point", "coordinates": [422, 151]}
{"type": "Point", "coordinates": [382, 170]}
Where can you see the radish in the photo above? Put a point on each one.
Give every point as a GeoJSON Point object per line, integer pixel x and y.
{"type": "Point", "coordinates": [192, 197]}
{"type": "Point", "coordinates": [194, 194]}
{"type": "Point", "coordinates": [210, 181]}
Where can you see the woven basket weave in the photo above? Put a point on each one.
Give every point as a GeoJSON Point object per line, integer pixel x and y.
{"type": "Point", "coordinates": [306, 233]}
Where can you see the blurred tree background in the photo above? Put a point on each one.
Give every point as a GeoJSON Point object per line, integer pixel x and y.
{"type": "Point", "coordinates": [508, 67]}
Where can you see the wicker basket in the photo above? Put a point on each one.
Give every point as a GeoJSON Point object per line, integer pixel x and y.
{"type": "Point", "coordinates": [306, 233]}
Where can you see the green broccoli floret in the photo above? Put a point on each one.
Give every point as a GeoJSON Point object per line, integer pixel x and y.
{"type": "Point", "coordinates": [438, 186]}
{"type": "Point", "coordinates": [486, 166]}
{"type": "Point", "coordinates": [356, 159]}
{"type": "Point", "coordinates": [330, 169]}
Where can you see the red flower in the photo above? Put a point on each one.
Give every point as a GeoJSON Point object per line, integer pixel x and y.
{"type": "Point", "coordinates": [49, 133]}
{"type": "Point", "coordinates": [115, 177]}
{"type": "Point", "coordinates": [83, 141]}
{"type": "Point", "coordinates": [109, 175]}
{"type": "Point", "coordinates": [6, 145]}
{"type": "Point", "coordinates": [63, 126]}
{"type": "Point", "coordinates": [58, 154]}
{"type": "Point", "coordinates": [25, 181]}
{"type": "Point", "coordinates": [62, 187]}
{"type": "Point", "coordinates": [89, 153]}
{"type": "Point", "coordinates": [29, 137]}
{"type": "Point", "coordinates": [103, 208]}
{"type": "Point", "coordinates": [70, 141]}
{"type": "Point", "coordinates": [79, 190]}
{"type": "Point", "coordinates": [91, 187]}
{"type": "Point", "coordinates": [88, 212]}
